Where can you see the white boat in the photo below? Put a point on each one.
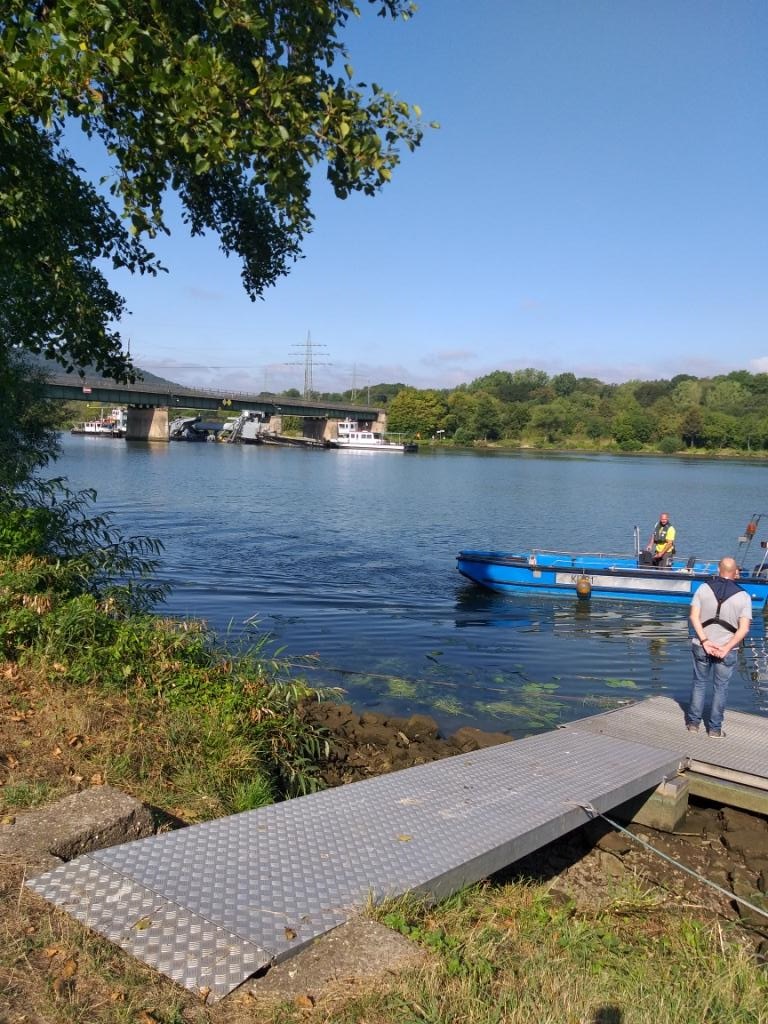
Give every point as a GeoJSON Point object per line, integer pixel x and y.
{"type": "Point", "coordinates": [352, 438]}
{"type": "Point", "coordinates": [113, 425]}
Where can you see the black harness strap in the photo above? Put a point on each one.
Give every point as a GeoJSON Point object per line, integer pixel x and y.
{"type": "Point", "coordinates": [722, 589]}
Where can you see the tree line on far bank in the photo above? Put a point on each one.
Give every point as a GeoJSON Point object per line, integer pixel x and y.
{"type": "Point", "coordinates": [530, 407]}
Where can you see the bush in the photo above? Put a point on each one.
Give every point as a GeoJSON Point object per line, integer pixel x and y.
{"type": "Point", "coordinates": [669, 444]}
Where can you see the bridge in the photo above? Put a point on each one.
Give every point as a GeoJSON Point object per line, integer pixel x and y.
{"type": "Point", "coordinates": [149, 400]}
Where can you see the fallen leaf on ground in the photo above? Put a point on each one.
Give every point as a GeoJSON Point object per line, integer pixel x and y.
{"type": "Point", "coordinates": [68, 968]}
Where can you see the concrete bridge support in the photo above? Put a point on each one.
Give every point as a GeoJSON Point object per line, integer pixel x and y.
{"type": "Point", "coordinates": [314, 427]}
{"type": "Point", "coordinates": [147, 423]}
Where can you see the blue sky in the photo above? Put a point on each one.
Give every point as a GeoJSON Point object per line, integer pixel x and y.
{"type": "Point", "coordinates": [595, 201]}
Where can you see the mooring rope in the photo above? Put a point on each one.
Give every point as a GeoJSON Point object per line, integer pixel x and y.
{"type": "Point", "coordinates": [594, 813]}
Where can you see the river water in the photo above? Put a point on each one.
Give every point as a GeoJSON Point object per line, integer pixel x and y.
{"type": "Point", "coordinates": [346, 560]}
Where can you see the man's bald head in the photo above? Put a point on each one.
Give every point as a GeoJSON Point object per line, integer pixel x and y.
{"type": "Point", "coordinates": [728, 568]}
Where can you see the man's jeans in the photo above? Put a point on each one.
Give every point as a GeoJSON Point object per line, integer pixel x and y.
{"type": "Point", "coordinates": [720, 670]}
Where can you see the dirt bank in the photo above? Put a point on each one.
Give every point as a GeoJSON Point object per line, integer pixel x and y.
{"type": "Point", "coordinates": [368, 744]}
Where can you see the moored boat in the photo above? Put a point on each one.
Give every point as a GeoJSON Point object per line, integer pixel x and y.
{"type": "Point", "coordinates": [113, 425]}
{"type": "Point", "coordinates": [351, 437]}
{"type": "Point", "coordinates": [597, 575]}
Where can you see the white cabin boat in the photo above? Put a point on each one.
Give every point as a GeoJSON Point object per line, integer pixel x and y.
{"type": "Point", "coordinates": [352, 438]}
{"type": "Point", "coordinates": [113, 425]}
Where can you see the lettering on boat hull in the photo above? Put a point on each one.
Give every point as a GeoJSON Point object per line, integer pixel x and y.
{"type": "Point", "coordinates": [623, 583]}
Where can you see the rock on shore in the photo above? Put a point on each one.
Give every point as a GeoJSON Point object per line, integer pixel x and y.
{"type": "Point", "coordinates": [368, 744]}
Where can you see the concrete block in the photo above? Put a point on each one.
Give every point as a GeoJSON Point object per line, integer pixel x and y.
{"type": "Point", "coordinates": [90, 820]}
{"type": "Point", "coordinates": [663, 808]}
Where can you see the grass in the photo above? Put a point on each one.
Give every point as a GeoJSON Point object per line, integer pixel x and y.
{"type": "Point", "coordinates": [514, 953]}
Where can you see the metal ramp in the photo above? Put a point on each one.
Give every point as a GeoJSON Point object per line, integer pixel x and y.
{"type": "Point", "coordinates": [660, 722]}
{"type": "Point", "coordinates": [211, 904]}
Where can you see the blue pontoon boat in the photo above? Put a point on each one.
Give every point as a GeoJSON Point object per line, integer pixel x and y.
{"type": "Point", "coordinates": [619, 577]}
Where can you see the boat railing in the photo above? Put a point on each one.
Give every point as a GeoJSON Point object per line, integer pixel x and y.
{"type": "Point", "coordinates": [614, 560]}
{"type": "Point", "coordinates": [570, 556]}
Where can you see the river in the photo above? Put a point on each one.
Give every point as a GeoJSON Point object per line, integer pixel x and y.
{"type": "Point", "coordinates": [346, 561]}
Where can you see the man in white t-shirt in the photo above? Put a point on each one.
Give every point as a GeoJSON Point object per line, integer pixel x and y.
{"type": "Point", "coordinates": [721, 614]}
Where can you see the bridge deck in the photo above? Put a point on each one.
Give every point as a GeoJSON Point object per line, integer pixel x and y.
{"type": "Point", "coordinates": [211, 904]}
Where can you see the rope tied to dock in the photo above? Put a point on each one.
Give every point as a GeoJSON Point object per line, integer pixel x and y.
{"type": "Point", "coordinates": [594, 813]}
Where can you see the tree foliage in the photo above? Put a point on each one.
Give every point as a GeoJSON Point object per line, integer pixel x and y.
{"type": "Point", "coordinates": [229, 103]}
{"type": "Point", "coordinates": [54, 298]}
{"type": "Point", "coordinates": [416, 412]}
{"type": "Point", "coordinates": [527, 407]}
{"type": "Point", "coordinates": [28, 424]}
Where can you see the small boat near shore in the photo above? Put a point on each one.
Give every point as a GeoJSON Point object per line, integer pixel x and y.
{"type": "Point", "coordinates": [352, 438]}
{"type": "Point", "coordinates": [597, 575]}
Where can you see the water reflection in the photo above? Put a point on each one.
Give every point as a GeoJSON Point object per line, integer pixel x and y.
{"type": "Point", "coordinates": [478, 607]}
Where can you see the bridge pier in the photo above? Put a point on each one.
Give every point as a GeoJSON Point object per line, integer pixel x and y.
{"type": "Point", "coordinates": [147, 423]}
{"type": "Point", "coordinates": [314, 427]}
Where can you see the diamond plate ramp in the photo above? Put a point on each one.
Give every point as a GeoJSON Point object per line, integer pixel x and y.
{"type": "Point", "coordinates": [660, 722]}
{"type": "Point", "coordinates": [210, 904]}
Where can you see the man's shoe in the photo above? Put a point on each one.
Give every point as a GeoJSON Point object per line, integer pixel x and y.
{"type": "Point", "coordinates": [692, 728]}
{"type": "Point", "coordinates": [717, 734]}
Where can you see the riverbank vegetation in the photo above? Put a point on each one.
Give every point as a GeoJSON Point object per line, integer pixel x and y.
{"type": "Point", "coordinates": [74, 613]}
{"type": "Point", "coordinates": [530, 409]}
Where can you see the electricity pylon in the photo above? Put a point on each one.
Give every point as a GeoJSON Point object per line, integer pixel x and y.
{"type": "Point", "coordinates": [309, 348]}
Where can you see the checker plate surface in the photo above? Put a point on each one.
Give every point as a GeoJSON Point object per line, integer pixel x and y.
{"type": "Point", "coordinates": [660, 722]}
{"type": "Point", "coordinates": [210, 904]}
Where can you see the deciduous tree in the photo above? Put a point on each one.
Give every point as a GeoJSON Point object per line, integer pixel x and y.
{"type": "Point", "coordinates": [416, 412]}
{"type": "Point", "coordinates": [229, 103]}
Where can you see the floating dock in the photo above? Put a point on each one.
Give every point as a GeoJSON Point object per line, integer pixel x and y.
{"type": "Point", "coordinates": [212, 904]}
